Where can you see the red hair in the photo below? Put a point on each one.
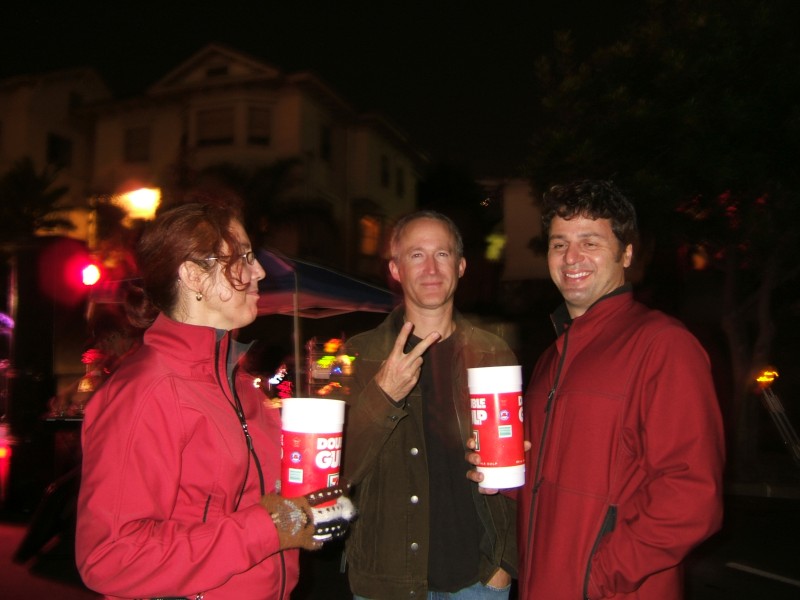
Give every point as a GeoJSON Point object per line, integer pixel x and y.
{"type": "Point", "coordinates": [193, 231]}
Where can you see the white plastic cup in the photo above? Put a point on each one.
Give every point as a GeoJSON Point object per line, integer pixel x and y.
{"type": "Point", "coordinates": [311, 445]}
{"type": "Point", "coordinates": [496, 403]}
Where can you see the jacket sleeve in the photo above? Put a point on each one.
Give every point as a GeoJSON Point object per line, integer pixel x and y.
{"type": "Point", "coordinates": [677, 497]}
{"type": "Point", "coordinates": [126, 542]}
{"type": "Point", "coordinates": [371, 418]}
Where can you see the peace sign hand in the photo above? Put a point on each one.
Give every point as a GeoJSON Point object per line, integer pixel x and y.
{"type": "Point", "coordinates": [399, 373]}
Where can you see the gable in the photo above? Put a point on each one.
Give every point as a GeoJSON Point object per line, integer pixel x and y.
{"type": "Point", "coordinates": [215, 65]}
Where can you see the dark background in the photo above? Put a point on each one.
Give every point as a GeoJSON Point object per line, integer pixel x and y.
{"type": "Point", "coordinates": [457, 77]}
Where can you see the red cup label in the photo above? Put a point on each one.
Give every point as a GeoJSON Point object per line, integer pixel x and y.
{"type": "Point", "coordinates": [497, 428]}
{"type": "Point", "coordinates": [309, 462]}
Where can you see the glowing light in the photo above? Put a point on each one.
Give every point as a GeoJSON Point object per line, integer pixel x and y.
{"type": "Point", "coordinates": [495, 244]}
{"type": "Point", "coordinates": [332, 345]}
{"type": "Point", "coordinates": [5, 460]}
{"type": "Point", "coordinates": [329, 388]}
{"type": "Point", "coordinates": [90, 274]}
{"type": "Point", "coordinates": [699, 258]}
{"type": "Point", "coordinates": [766, 377]}
{"type": "Point", "coordinates": [141, 203]}
{"type": "Point", "coordinates": [326, 362]}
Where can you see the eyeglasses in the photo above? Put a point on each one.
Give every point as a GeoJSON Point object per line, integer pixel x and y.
{"type": "Point", "coordinates": [249, 257]}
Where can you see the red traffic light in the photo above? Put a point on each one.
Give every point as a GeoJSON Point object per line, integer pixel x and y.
{"type": "Point", "coordinates": [67, 270]}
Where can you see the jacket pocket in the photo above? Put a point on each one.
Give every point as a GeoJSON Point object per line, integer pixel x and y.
{"type": "Point", "coordinates": [609, 523]}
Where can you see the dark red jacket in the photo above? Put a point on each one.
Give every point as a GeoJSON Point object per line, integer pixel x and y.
{"type": "Point", "coordinates": [164, 461]}
{"type": "Point", "coordinates": [628, 454]}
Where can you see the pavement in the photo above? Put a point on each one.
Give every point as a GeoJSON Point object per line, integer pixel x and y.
{"type": "Point", "coordinates": [755, 555]}
{"type": "Point", "coordinates": [52, 574]}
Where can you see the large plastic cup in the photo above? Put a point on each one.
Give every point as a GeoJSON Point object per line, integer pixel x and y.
{"type": "Point", "coordinates": [496, 401]}
{"type": "Point", "coordinates": [311, 445]}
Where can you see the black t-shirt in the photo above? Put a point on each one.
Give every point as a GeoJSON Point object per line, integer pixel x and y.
{"type": "Point", "coordinates": [455, 531]}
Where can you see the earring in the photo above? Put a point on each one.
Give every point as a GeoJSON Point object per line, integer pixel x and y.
{"type": "Point", "coordinates": [198, 296]}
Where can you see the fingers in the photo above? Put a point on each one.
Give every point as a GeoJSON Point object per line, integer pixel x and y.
{"type": "Point", "coordinates": [472, 457]}
{"type": "Point", "coordinates": [399, 373]}
{"type": "Point", "coordinates": [426, 343]}
{"type": "Point", "coordinates": [402, 338]}
{"type": "Point", "coordinates": [293, 521]}
{"type": "Point", "coordinates": [474, 476]}
{"type": "Point", "coordinates": [499, 580]}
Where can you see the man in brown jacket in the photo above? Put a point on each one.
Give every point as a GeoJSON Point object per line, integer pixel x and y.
{"type": "Point", "coordinates": [423, 528]}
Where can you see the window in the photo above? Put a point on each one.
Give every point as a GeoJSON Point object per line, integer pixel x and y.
{"type": "Point", "coordinates": [384, 171]}
{"type": "Point", "coordinates": [215, 127]}
{"type": "Point", "coordinates": [369, 229]}
{"type": "Point", "coordinates": [325, 143]}
{"type": "Point", "coordinates": [137, 144]}
{"type": "Point", "coordinates": [259, 129]}
{"type": "Point", "coordinates": [59, 150]}
{"type": "Point", "coordinates": [400, 182]}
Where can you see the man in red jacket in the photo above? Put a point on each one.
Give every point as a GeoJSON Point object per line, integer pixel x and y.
{"type": "Point", "coordinates": [624, 476]}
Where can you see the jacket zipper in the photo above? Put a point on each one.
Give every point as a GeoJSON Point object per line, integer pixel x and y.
{"type": "Point", "coordinates": [609, 523]}
{"type": "Point", "coordinates": [549, 411]}
{"type": "Point", "coordinates": [237, 406]}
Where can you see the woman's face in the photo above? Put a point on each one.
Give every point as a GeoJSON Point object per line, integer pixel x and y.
{"type": "Point", "coordinates": [224, 306]}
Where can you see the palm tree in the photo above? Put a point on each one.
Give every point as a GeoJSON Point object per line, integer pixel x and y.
{"type": "Point", "coordinates": [27, 200]}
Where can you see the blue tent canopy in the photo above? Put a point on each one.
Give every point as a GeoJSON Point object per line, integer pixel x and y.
{"type": "Point", "coordinates": [303, 289]}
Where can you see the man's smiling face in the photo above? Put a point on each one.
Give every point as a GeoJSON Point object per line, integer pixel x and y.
{"type": "Point", "coordinates": [586, 260]}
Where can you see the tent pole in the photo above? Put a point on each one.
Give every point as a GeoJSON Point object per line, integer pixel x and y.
{"type": "Point", "coordinates": [297, 365]}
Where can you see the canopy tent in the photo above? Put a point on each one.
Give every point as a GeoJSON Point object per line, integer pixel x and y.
{"type": "Point", "coordinates": [292, 287]}
{"type": "Point", "coordinates": [299, 288]}
{"type": "Point", "coordinates": [302, 289]}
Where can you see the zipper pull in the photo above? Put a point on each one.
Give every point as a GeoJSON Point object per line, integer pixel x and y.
{"type": "Point", "coordinates": [549, 403]}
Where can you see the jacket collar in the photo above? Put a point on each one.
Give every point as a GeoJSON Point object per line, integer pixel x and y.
{"type": "Point", "coordinates": [190, 343]}
{"type": "Point", "coordinates": [562, 321]}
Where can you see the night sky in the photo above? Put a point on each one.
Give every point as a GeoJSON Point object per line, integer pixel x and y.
{"type": "Point", "coordinates": [457, 77]}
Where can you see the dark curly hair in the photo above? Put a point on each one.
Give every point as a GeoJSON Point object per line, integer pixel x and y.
{"type": "Point", "coordinates": [593, 200]}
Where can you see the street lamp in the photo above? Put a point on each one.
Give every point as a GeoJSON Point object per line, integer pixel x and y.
{"type": "Point", "coordinates": [141, 203]}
